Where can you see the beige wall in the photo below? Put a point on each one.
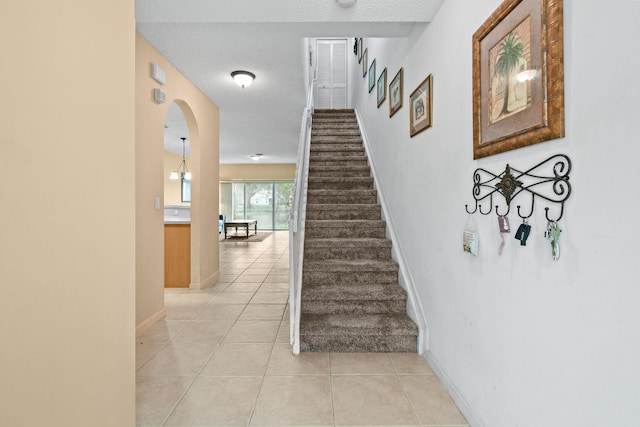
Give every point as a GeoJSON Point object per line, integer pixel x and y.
{"type": "Point", "coordinates": [173, 187]}
{"type": "Point", "coordinates": [202, 120]}
{"type": "Point", "coordinates": [67, 226]}
{"type": "Point", "coordinates": [251, 172]}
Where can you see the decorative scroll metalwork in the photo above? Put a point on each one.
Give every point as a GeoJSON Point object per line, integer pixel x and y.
{"type": "Point", "coordinates": [548, 180]}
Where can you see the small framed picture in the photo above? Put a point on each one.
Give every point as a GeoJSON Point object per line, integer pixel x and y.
{"type": "Point", "coordinates": [364, 63]}
{"type": "Point", "coordinates": [382, 87]}
{"type": "Point", "coordinates": [372, 75]}
{"type": "Point", "coordinates": [420, 104]}
{"type": "Point", "coordinates": [396, 93]}
{"type": "Point", "coordinates": [360, 49]}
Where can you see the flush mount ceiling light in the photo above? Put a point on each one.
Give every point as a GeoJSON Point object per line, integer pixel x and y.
{"type": "Point", "coordinates": [256, 157]}
{"type": "Point", "coordinates": [182, 170]}
{"type": "Point", "coordinates": [346, 3]}
{"type": "Point", "coordinates": [243, 78]}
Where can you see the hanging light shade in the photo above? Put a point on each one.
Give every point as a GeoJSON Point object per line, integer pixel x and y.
{"type": "Point", "coordinates": [256, 157]}
{"type": "Point", "coordinates": [182, 170]}
{"type": "Point", "coordinates": [243, 78]}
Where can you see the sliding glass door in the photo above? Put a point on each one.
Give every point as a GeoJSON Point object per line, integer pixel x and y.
{"type": "Point", "coordinates": [259, 197]}
{"type": "Point", "coordinates": [268, 202]}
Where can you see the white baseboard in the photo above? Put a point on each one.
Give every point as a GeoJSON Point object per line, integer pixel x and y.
{"type": "Point", "coordinates": [146, 324]}
{"type": "Point", "coordinates": [451, 388]}
{"type": "Point", "coordinates": [206, 283]}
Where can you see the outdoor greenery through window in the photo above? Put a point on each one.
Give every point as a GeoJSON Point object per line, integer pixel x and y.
{"type": "Point", "coordinates": [267, 202]}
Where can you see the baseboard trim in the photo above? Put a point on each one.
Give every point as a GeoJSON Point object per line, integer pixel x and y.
{"type": "Point", "coordinates": [146, 324]}
{"type": "Point", "coordinates": [206, 283]}
{"type": "Point", "coordinates": [453, 391]}
{"type": "Point", "coordinates": [414, 309]}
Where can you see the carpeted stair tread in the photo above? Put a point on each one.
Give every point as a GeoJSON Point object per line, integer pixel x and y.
{"type": "Point", "coordinates": [345, 171]}
{"type": "Point", "coordinates": [363, 196]}
{"type": "Point", "coordinates": [346, 324]}
{"type": "Point", "coordinates": [360, 223]}
{"type": "Point", "coordinates": [354, 242]}
{"type": "Point", "coordinates": [350, 265]}
{"type": "Point", "coordinates": [358, 292]}
{"type": "Point", "coordinates": [320, 149]}
{"type": "Point", "coordinates": [341, 183]}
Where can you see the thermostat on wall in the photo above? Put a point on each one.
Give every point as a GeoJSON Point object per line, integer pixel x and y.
{"type": "Point", "coordinates": [159, 96]}
{"type": "Point", "coordinates": [158, 74]}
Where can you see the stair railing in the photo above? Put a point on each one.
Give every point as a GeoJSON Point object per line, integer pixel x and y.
{"type": "Point", "coordinates": [296, 223]}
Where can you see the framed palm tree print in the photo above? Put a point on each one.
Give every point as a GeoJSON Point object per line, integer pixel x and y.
{"type": "Point", "coordinates": [518, 77]}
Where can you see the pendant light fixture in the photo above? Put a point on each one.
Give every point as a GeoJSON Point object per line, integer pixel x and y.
{"type": "Point", "coordinates": [243, 78]}
{"type": "Point", "coordinates": [182, 170]}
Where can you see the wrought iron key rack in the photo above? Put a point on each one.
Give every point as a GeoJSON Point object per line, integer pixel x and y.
{"type": "Point", "coordinates": [548, 180]}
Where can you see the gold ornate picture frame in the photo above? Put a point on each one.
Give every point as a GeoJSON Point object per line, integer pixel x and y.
{"type": "Point", "coordinates": [518, 77]}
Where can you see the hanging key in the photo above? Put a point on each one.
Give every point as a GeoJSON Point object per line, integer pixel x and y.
{"type": "Point", "coordinates": [553, 235]}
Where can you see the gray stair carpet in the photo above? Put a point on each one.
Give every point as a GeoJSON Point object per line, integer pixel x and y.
{"type": "Point", "coordinates": [351, 298]}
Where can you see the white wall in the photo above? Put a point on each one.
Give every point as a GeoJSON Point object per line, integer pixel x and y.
{"type": "Point", "coordinates": [522, 340]}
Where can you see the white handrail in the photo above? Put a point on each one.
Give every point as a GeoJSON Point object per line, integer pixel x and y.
{"type": "Point", "coordinates": [296, 223]}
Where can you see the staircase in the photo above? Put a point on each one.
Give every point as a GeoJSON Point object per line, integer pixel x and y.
{"type": "Point", "coordinates": [351, 298]}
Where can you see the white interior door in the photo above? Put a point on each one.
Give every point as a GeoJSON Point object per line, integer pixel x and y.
{"type": "Point", "coordinates": [332, 74]}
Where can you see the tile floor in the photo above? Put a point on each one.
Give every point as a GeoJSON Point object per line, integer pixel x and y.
{"type": "Point", "coordinates": [221, 357]}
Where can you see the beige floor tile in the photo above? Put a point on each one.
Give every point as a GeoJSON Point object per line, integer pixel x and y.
{"type": "Point", "coordinates": [263, 312]}
{"type": "Point", "coordinates": [156, 397]}
{"type": "Point", "coordinates": [204, 331]}
{"type": "Point", "coordinates": [217, 401]}
{"type": "Point", "coordinates": [181, 312]}
{"type": "Point", "coordinates": [253, 331]}
{"type": "Point", "coordinates": [144, 352]}
{"type": "Point", "coordinates": [232, 298]}
{"type": "Point", "coordinates": [263, 264]}
{"type": "Point", "coordinates": [280, 271]}
{"type": "Point", "coordinates": [270, 298]}
{"type": "Point", "coordinates": [227, 278]}
{"type": "Point", "coordinates": [284, 362]}
{"type": "Point", "coordinates": [178, 359]}
{"type": "Point", "coordinates": [431, 401]}
{"type": "Point", "coordinates": [219, 286]}
{"type": "Point", "coordinates": [294, 401]}
{"type": "Point", "coordinates": [239, 359]}
{"type": "Point", "coordinates": [240, 264]}
{"type": "Point", "coordinates": [361, 363]}
{"type": "Point", "coordinates": [232, 270]}
{"type": "Point", "coordinates": [370, 400]}
{"type": "Point", "coordinates": [251, 278]}
{"type": "Point", "coordinates": [257, 270]}
{"type": "Point", "coordinates": [274, 287]}
{"type": "Point", "coordinates": [243, 287]}
{"type": "Point", "coordinates": [221, 312]}
{"type": "Point", "coordinates": [161, 331]}
{"type": "Point", "coordinates": [410, 363]}
{"type": "Point", "coordinates": [284, 332]}
{"type": "Point", "coordinates": [278, 278]}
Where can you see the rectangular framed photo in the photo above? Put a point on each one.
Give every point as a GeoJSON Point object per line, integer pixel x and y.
{"type": "Point", "coordinates": [360, 49]}
{"type": "Point", "coordinates": [518, 77]}
{"type": "Point", "coordinates": [382, 87]}
{"type": "Point", "coordinates": [372, 75]}
{"type": "Point", "coordinates": [420, 104]}
{"type": "Point", "coordinates": [364, 63]}
{"type": "Point", "coordinates": [396, 93]}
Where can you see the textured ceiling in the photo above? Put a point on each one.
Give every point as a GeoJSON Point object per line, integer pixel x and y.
{"type": "Point", "coordinates": [208, 39]}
